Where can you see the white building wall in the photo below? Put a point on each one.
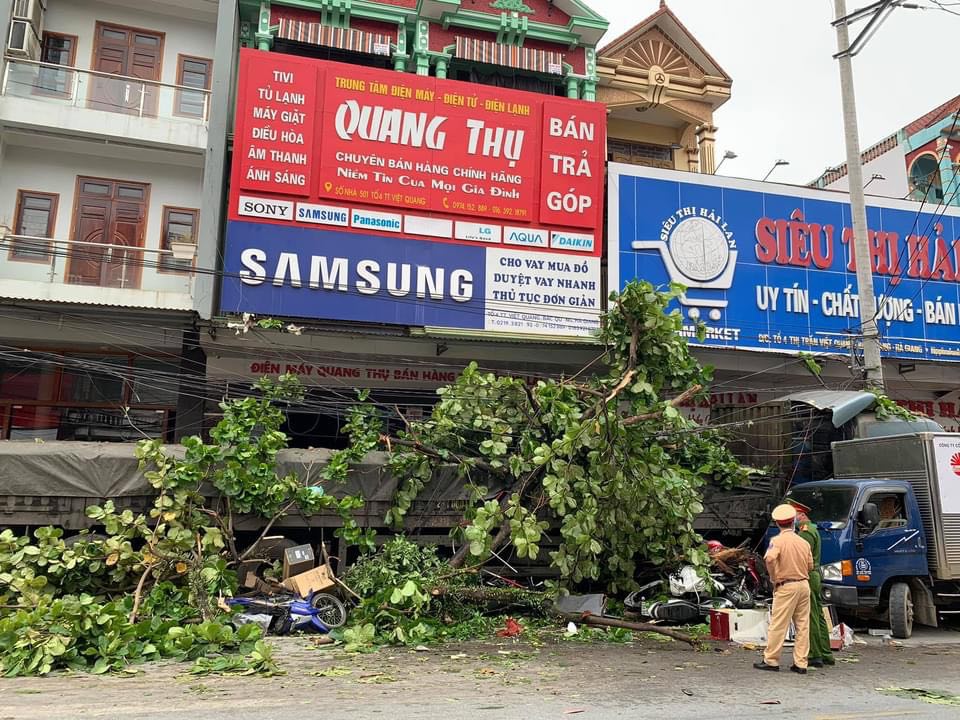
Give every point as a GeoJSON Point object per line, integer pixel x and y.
{"type": "Point", "coordinates": [892, 165]}
{"type": "Point", "coordinates": [28, 168]}
{"type": "Point", "coordinates": [181, 35]}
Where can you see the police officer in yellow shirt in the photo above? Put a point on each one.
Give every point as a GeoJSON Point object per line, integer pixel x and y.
{"type": "Point", "coordinates": [789, 562]}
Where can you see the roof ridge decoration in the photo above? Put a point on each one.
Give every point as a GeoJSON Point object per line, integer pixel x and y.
{"type": "Point", "coordinates": [517, 6]}
{"type": "Point", "coordinates": [652, 21]}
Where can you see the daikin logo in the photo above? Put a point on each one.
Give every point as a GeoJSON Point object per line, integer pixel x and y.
{"type": "Point", "coordinates": [698, 251]}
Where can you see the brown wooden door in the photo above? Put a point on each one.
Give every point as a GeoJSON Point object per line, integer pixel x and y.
{"type": "Point", "coordinates": [109, 221]}
{"type": "Point", "coordinates": [130, 53]}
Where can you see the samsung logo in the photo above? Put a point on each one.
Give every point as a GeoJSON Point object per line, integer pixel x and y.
{"type": "Point", "coordinates": [323, 214]}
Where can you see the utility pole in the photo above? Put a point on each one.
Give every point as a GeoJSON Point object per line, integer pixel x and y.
{"type": "Point", "coordinates": [868, 303]}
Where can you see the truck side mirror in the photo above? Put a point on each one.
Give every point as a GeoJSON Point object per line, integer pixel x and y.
{"type": "Point", "coordinates": [869, 517]}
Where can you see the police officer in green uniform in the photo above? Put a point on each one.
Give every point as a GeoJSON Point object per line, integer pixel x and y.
{"type": "Point", "coordinates": [820, 653]}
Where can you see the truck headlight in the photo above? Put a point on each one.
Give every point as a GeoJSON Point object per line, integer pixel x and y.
{"type": "Point", "coordinates": [833, 572]}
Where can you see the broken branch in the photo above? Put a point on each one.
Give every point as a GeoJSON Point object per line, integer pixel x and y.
{"type": "Point", "coordinates": [597, 621]}
{"type": "Point", "coordinates": [679, 400]}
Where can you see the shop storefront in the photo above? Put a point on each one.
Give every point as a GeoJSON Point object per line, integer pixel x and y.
{"type": "Point", "coordinates": [56, 394]}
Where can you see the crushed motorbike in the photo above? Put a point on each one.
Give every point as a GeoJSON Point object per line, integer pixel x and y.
{"type": "Point", "coordinates": [282, 615]}
{"type": "Point", "coordinates": [736, 580]}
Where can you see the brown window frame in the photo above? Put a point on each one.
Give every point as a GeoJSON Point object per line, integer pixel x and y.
{"type": "Point", "coordinates": [54, 199]}
{"type": "Point", "coordinates": [71, 64]}
{"type": "Point", "coordinates": [181, 59]}
{"type": "Point", "coordinates": [164, 244]}
{"type": "Point", "coordinates": [97, 35]}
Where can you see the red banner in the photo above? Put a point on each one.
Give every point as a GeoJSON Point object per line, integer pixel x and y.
{"type": "Point", "coordinates": [280, 113]}
{"type": "Point", "coordinates": [347, 135]}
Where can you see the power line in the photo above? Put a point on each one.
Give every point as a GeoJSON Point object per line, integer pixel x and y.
{"type": "Point", "coordinates": [916, 220]}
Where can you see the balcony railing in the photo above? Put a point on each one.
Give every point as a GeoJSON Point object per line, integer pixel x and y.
{"type": "Point", "coordinates": [94, 90]}
{"type": "Point", "coordinates": [102, 265]}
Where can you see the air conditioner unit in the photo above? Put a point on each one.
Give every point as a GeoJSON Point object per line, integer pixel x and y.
{"type": "Point", "coordinates": [32, 11]}
{"type": "Point", "coordinates": [22, 40]}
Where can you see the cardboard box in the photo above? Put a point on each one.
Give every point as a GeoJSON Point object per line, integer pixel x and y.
{"type": "Point", "coordinates": [314, 580]}
{"type": "Point", "coordinates": [297, 560]}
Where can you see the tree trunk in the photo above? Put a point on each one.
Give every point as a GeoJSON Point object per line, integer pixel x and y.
{"type": "Point", "coordinates": [526, 599]}
{"type": "Point", "coordinates": [597, 621]}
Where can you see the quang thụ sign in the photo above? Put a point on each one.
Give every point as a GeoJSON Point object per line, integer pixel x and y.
{"type": "Point", "coordinates": [772, 267]}
{"type": "Point", "coordinates": [367, 195]}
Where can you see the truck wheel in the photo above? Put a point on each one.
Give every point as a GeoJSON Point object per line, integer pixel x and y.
{"type": "Point", "coordinates": [901, 610]}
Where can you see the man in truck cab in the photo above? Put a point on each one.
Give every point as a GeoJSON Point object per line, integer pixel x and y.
{"type": "Point", "coordinates": [820, 653]}
{"type": "Point", "coordinates": [789, 562]}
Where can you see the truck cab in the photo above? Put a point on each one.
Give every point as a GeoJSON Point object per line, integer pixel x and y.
{"type": "Point", "coordinates": [874, 549]}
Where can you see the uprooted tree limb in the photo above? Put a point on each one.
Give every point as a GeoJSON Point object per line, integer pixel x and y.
{"type": "Point", "coordinates": [598, 621]}
{"type": "Point", "coordinates": [603, 467]}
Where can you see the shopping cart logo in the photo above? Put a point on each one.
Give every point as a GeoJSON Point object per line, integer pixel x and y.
{"type": "Point", "coordinates": [698, 251]}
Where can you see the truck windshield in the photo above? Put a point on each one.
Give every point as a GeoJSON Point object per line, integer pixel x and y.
{"type": "Point", "coordinates": [827, 504]}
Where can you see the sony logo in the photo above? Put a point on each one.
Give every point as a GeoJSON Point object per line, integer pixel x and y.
{"type": "Point", "coordinates": [266, 208]}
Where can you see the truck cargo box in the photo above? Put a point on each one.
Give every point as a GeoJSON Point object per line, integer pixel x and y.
{"type": "Point", "coordinates": [930, 462]}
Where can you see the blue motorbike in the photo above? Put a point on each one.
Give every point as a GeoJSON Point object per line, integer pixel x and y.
{"type": "Point", "coordinates": [319, 612]}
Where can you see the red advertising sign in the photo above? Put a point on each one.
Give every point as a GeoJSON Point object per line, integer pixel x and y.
{"type": "Point", "coordinates": [367, 195]}
{"type": "Point", "coordinates": [277, 130]}
{"type": "Point", "coordinates": [354, 135]}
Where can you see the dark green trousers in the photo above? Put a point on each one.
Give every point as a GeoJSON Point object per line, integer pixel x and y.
{"type": "Point", "coordinates": [819, 632]}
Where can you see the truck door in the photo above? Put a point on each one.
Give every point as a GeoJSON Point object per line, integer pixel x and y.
{"type": "Point", "coordinates": [896, 547]}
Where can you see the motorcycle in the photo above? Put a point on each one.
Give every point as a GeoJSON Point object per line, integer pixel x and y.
{"type": "Point", "coordinates": [736, 582]}
{"type": "Point", "coordinates": [319, 611]}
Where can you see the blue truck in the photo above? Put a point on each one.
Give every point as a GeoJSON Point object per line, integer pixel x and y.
{"type": "Point", "coordinates": [890, 524]}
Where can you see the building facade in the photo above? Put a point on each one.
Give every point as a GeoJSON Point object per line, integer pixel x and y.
{"type": "Point", "coordinates": [111, 170]}
{"type": "Point", "coordinates": [135, 162]}
{"type": "Point", "coordinates": [918, 162]}
{"type": "Point", "coordinates": [655, 89]}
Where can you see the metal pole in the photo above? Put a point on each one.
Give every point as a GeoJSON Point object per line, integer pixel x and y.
{"type": "Point", "coordinates": [868, 303]}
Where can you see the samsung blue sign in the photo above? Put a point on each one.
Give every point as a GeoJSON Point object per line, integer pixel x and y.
{"type": "Point", "coordinates": [366, 278]}
{"type": "Point", "coordinates": [770, 267]}
{"type": "Point", "coordinates": [373, 277]}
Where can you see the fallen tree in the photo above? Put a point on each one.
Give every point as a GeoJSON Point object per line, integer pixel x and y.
{"type": "Point", "coordinates": [605, 458]}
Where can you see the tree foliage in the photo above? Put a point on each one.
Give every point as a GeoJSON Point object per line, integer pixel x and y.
{"type": "Point", "coordinates": [151, 586]}
{"type": "Point", "coordinates": [605, 461]}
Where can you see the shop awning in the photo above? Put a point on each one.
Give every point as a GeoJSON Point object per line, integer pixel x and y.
{"type": "Point", "coordinates": [343, 38]}
{"type": "Point", "coordinates": [494, 53]}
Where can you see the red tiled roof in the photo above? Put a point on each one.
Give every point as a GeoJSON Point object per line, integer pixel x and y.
{"type": "Point", "coordinates": [871, 153]}
{"type": "Point", "coordinates": [938, 113]}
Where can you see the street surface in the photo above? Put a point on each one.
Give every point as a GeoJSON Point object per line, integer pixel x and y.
{"type": "Point", "coordinates": [507, 679]}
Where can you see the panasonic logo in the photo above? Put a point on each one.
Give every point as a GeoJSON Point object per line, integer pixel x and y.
{"type": "Point", "coordinates": [264, 208]}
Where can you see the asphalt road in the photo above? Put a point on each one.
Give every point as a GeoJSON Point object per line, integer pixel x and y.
{"type": "Point", "coordinates": [551, 678]}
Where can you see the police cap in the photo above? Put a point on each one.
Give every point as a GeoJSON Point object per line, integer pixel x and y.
{"type": "Point", "coordinates": [784, 513]}
{"type": "Point", "coordinates": [801, 508]}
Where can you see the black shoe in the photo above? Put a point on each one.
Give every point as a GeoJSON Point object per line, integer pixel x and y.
{"type": "Point", "coordinates": [829, 661]}
{"type": "Point", "coordinates": [815, 663]}
{"type": "Point", "coordinates": [763, 666]}
{"type": "Point", "coordinates": [798, 670]}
